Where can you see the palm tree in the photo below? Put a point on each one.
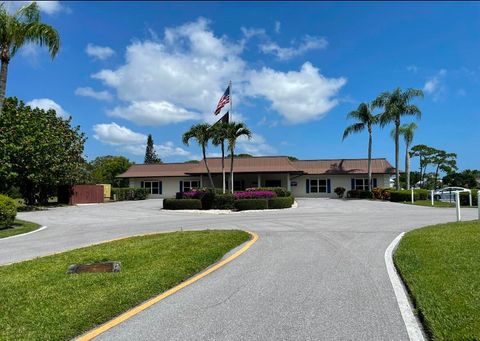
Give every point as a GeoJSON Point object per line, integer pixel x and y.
{"type": "Point", "coordinates": [365, 119]}
{"type": "Point", "coordinates": [396, 104]}
{"type": "Point", "coordinates": [235, 130]}
{"type": "Point", "coordinates": [218, 139]}
{"type": "Point", "coordinates": [202, 133]}
{"type": "Point", "coordinates": [407, 131]}
{"type": "Point", "coordinates": [24, 26]}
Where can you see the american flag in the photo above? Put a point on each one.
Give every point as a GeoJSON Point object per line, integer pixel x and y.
{"type": "Point", "coordinates": [223, 100]}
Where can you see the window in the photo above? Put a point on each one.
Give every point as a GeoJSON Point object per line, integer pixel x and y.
{"type": "Point", "coordinates": [190, 184]}
{"type": "Point", "coordinates": [153, 187]}
{"type": "Point", "coordinates": [273, 183]}
{"type": "Point", "coordinates": [362, 184]}
{"type": "Point", "coordinates": [318, 186]}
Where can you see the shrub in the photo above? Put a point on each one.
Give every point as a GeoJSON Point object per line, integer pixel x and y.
{"type": "Point", "coordinates": [224, 201]}
{"type": "Point", "coordinates": [340, 191]}
{"type": "Point", "coordinates": [207, 199]}
{"type": "Point", "coordinates": [182, 204]}
{"type": "Point", "coordinates": [251, 204]}
{"type": "Point", "coordinates": [358, 194]}
{"type": "Point", "coordinates": [377, 193]}
{"type": "Point", "coordinates": [8, 211]}
{"type": "Point", "coordinates": [279, 191]}
{"type": "Point", "coordinates": [282, 202]}
{"type": "Point", "coordinates": [255, 195]}
{"type": "Point", "coordinates": [465, 200]}
{"type": "Point", "coordinates": [406, 195]}
{"type": "Point", "coordinates": [129, 193]}
{"type": "Point", "coordinates": [386, 193]}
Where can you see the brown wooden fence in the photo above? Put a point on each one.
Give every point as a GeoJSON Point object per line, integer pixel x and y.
{"type": "Point", "coordinates": [81, 194]}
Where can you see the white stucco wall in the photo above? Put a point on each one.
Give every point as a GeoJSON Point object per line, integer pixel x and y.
{"type": "Point", "coordinates": [170, 185]}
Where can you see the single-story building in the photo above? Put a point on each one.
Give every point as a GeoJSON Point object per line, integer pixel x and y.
{"type": "Point", "coordinates": [305, 178]}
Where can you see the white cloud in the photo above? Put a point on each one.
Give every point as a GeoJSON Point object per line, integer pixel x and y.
{"type": "Point", "coordinates": [299, 96]}
{"type": "Point", "coordinates": [164, 151]}
{"type": "Point", "coordinates": [434, 86]}
{"type": "Point", "coordinates": [283, 53]}
{"type": "Point", "coordinates": [412, 68]}
{"type": "Point", "coordinates": [47, 104]}
{"type": "Point", "coordinates": [278, 26]}
{"type": "Point", "coordinates": [48, 7]}
{"type": "Point", "coordinates": [153, 113]}
{"type": "Point", "coordinates": [89, 92]}
{"type": "Point", "coordinates": [257, 145]}
{"type": "Point", "coordinates": [99, 52]}
{"type": "Point", "coordinates": [250, 32]}
{"type": "Point", "coordinates": [189, 68]}
{"type": "Point", "coordinates": [115, 135]}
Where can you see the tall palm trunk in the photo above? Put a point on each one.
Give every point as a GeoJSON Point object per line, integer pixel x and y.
{"type": "Point", "coordinates": [223, 166]}
{"type": "Point", "coordinates": [231, 169]}
{"type": "Point", "coordinates": [397, 152]}
{"type": "Point", "coordinates": [206, 166]}
{"type": "Point", "coordinates": [407, 165]}
{"type": "Point", "coordinates": [3, 80]}
{"type": "Point", "coordinates": [369, 157]}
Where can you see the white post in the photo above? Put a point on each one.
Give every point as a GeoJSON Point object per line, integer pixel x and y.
{"type": "Point", "coordinates": [433, 201]}
{"type": "Point", "coordinates": [413, 196]}
{"type": "Point", "coordinates": [259, 180]}
{"type": "Point", "coordinates": [232, 182]}
{"type": "Point", "coordinates": [457, 205]}
{"type": "Point", "coordinates": [470, 199]}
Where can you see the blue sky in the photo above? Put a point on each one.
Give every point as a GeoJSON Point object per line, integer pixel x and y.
{"type": "Point", "coordinates": [129, 69]}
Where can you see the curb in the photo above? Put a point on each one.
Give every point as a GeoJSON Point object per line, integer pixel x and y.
{"type": "Point", "coordinates": [414, 328]}
{"type": "Point", "coordinates": [139, 308]}
{"type": "Point", "coordinates": [24, 234]}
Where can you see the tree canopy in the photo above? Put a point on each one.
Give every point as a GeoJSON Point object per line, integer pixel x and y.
{"type": "Point", "coordinates": [104, 169]}
{"type": "Point", "coordinates": [150, 154]}
{"type": "Point", "coordinates": [39, 151]}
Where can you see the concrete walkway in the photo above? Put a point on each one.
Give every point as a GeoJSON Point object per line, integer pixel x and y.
{"type": "Point", "coordinates": [316, 273]}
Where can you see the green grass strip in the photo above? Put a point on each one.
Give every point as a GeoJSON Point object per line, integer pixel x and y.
{"type": "Point", "coordinates": [18, 227]}
{"type": "Point", "coordinates": [441, 267]}
{"type": "Point", "coordinates": [39, 301]}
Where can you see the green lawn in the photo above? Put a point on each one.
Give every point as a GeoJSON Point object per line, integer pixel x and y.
{"type": "Point", "coordinates": [429, 203]}
{"type": "Point", "coordinates": [18, 227]}
{"type": "Point", "coordinates": [39, 301]}
{"type": "Point", "coordinates": [441, 267]}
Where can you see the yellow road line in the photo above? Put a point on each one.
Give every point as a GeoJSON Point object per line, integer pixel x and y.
{"type": "Point", "coordinates": [134, 311]}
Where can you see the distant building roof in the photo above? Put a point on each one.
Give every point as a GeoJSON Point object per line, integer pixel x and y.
{"type": "Point", "coordinates": [261, 164]}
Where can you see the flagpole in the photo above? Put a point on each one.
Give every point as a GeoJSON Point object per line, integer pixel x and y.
{"type": "Point", "coordinates": [231, 102]}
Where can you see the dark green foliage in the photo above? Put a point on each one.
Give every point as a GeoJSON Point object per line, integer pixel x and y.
{"type": "Point", "coordinates": [467, 178]}
{"type": "Point", "coordinates": [280, 202]}
{"type": "Point", "coordinates": [251, 204]}
{"type": "Point", "coordinates": [39, 152]}
{"type": "Point", "coordinates": [405, 195]}
{"type": "Point", "coordinates": [224, 201]}
{"type": "Point", "coordinates": [182, 204]}
{"type": "Point", "coordinates": [340, 191]}
{"type": "Point", "coordinates": [8, 211]}
{"type": "Point", "coordinates": [150, 154]}
{"type": "Point", "coordinates": [465, 198]}
{"type": "Point", "coordinates": [439, 265]}
{"type": "Point", "coordinates": [104, 169]}
{"type": "Point", "coordinates": [122, 194]}
{"type": "Point", "coordinates": [207, 199]}
{"type": "Point", "coordinates": [358, 194]}
{"type": "Point", "coordinates": [18, 227]}
{"type": "Point", "coordinates": [381, 193]}
{"type": "Point", "coordinates": [40, 302]}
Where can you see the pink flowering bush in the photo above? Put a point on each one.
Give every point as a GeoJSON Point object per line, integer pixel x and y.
{"type": "Point", "coordinates": [254, 195]}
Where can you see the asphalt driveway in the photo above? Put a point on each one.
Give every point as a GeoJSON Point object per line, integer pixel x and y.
{"type": "Point", "coordinates": [316, 273]}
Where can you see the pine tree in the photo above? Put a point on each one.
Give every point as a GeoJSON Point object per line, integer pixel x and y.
{"type": "Point", "coordinates": [150, 154]}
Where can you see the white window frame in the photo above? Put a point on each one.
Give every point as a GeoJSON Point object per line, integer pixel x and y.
{"type": "Point", "coordinates": [319, 189]}
{"type": "Point", "coordinates": [159, 186]}
{"type": "Point", "coordinates": [363, 186]}
{"type": "Point", "coordinates": [188, 185]}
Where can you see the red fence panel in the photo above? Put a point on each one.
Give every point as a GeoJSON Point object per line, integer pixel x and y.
{"type": "Point", "coordinates": [86, 194]}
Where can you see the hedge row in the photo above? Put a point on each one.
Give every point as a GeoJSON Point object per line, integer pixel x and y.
{"type": "Point", "coordinates": [406, 195]}
{"type": "Point", "coordinates": [121, 194]}
{"type": "Point", "coordinates": [8, 211]}
{"type": "Point", "coordinates": [279, 191]}
{"type": "Point", "coordinates": [465, 199]}
{"type": "Point", "coordinates": [182, 204]}
{"type": "Point", "coordinates": [263, 204]}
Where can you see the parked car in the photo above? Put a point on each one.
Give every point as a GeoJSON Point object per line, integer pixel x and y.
{"type": "Point", "coordinates": [448, 193]}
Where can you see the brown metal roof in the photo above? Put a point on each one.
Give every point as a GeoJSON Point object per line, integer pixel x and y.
{"type": "Point", "coordinates": [155, 170]}
{"type": "Point", "coordinates": [261, 164]}
{"type": "Point", "coordinates": [344, 166]}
